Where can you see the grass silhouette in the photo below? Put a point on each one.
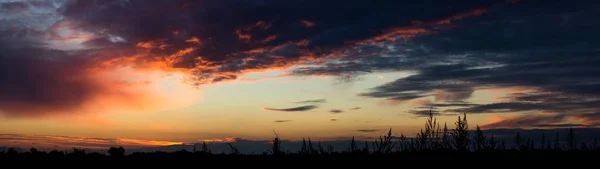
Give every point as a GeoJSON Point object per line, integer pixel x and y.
{"type": "Point", "coordinates": [431, 142]}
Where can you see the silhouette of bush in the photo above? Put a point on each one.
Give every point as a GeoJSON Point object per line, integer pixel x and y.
{"type": "Point", "coordinates": [116, 152]}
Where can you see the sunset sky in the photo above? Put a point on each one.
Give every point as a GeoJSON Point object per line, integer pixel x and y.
{"type": "Point", "coordinates": [151, 73]}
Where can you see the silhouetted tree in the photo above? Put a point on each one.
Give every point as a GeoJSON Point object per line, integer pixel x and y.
{"type": "Point", "coordinates": [571, 142]}
{"type": "Point", "coordinates": [503, 146]}
{"type": "Point", "coordinates": [429, 137]}
{"type": "Point", "coordinates": [33, 150]}
{"type": "Point", "coordinates": [543, 141]}
{"type": "Point", "coordinates": [276, 148]}
{"type": "Point", "coordinates": [116, 152]}
{"type": "Point", "coordinates": [366, 148]}
{"type": "Point", "coordinates": [311, 148]}
{"type": "Point", "coordinates": [234, 150]}
{"type": "Point", "coordinates": [556, 142]}
{"type": "Point", "coordinates": [493, 144]}
{"type": "Point", "coordinates": [353, 148]}
{"type": "Point", "coordinates": [461, 134]}
{"type": "Point", "coordinates": [385, 144]}
{"type": "Point", "coordinates": [402, 143]}
{"type": "Point", "coordinates": [445, 138]}
{"type": "Point", "coordinates": [205, 149]}
{"type": "Point", "coordinates": [518, 141]}
{"type": "Point", "coordinates": [12, 151]}
{"type": "Point", "coordinates": [321, 148]}
{"type": "Point", "coordinates": [479, 139]}
{"type": "Point", "coordinates": [304, 148]}
{"type": "Point", "coordinates": [595, 145]}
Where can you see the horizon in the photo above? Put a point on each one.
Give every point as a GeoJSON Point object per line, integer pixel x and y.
{"type": "Point", "coordinates": [162, 73]}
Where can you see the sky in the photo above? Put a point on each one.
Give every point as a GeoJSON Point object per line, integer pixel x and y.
{"type": "Point", "coordinates": [93, 73]}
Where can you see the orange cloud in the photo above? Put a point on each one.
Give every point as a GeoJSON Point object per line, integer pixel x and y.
{"type": "Point", "coordinates": [193, 40]}
{"type": "Point", "coordinates": [525, 121]}
{"type": "Point", "coordinates": [588, 118]}
{"type": "Point", "coordinates": [125, 90]}
{"type": "Point", "coordinates": [269, 39]}
{"type": "Point", "coordinates": [160, 44]}
{"type": "Point", "coordinates": [307, 23]}
{"type": "Point", "coordinates": [243, 36]}
{"type": "Point", "coordinates": [218, 140]}
{"type": "Point", "coordinates": [420, 27]}
{"type": "Point", "coordinates": [66, 142]}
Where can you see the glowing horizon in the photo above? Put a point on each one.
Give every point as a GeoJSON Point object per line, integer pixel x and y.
{"type": "Point", "coordinates": [159, 73]}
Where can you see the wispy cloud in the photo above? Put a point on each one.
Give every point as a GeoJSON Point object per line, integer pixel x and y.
{"type": "Point", "coordinates": [282, 121]}
{"type": "Point", "coordinates": [301, 108]}
{"type": "Point", "coordinates": [368, 130]}
{"type": "Point", "coordinates": [336, 111]}
{"type": "Point", "coordinates": [65, 142]}
{"type": "Point", "coordinates": [355, 108]}
{"type": "Point", "coordinates": [312, 101]}
{"type": "Point", "coordinates": [525, 121]}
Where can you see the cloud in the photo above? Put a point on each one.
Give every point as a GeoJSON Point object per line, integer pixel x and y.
{"type": "Point", "coordinates": [332, 119]}
{"type": "Point", "coordinates": [504, 46]}
{"type": "Point", "coordinates": [368, 130]}
{"type": "Point", "coordinates": [40, 82]}
{"type": "Point", "coordinates": [66, 142]}
{"type": "Point", "coordinates": [301, 108]}
{"type": "Point", "coordinates": [533, 120]}
{"type": "Point", "coordinates": [312, 101]}
{"type": "Point", "coordinates": [336, 111]}
{"type": "Point", "coordinates": [451, 52]}
{"type": "Point", "coordinates": [424, 112]}
{"type": "Point", "coordinates": [355, 108]}
{"type": "Point", "coordinates": [50, 63]}
{"type": "Point", "coordinates": [13, 7]}
{"type": "Point", "coordinates": [282, 121]}
{"type": "Point", "coordinates": [566, 125]}
{"type": "Point", "coordinates": [281, 35]}
{"type": "Point", "coordinates": [589, 118]}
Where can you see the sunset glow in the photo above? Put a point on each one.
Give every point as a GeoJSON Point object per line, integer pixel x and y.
{"type": "Point", "coordinates": [137, 73]}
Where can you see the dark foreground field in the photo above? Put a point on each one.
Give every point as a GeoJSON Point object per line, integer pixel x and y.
{"type": "Point", "coordinates": [456, 147]}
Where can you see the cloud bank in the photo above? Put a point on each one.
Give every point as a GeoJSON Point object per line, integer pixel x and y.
{"type": "Point", "coordinates": [53, 51]}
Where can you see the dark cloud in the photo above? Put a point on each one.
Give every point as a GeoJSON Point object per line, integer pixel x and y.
{"type": "Point", "coordinates": [332, 119]}
{"type": "Point", "coordinates": [336, 111]}
{"type": "Point", "coordinates": [282, 121]}
{"type": "Point", "coordinates": [355, 108]}
{"type": "Point", "coordinates": [368, 130]}
{"type": "Point", "coordinates": [548, 51]}
{"type": "Point", "coordinates": [574, 103]}
{"type": "Point", "coordinates": [256, 34]}
{"type": "Point", "coordinates": [423, 112]}
{"type": "Point", "coordinates": [49, 55]}
{"type": "Point", "coordinates": [452, 47]}
{"type": "Point", "coordinates": [13, 7]}
{"type": "Point", "coordinates": [301, 108]}
{"type": "Point", "coordinates": [312, 101]}
{"type": "Point", "coordinates": [37, 82]}
{"type": "Point", "coordinates": [450, 104]}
